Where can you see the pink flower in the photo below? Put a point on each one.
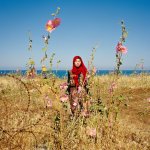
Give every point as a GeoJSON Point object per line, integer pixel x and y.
{"type": "Point", "coordinates": [64, 86]}
{"type": "Point", "coordinates": [148, 99]}
{"type": "Point", "coordinates": [91, 132]}
{"type": "Point", "coordinates": [56, 22]}
{"type": "Point", "coordinates": [74, 104]}
{"type": "Point", "coordinates": [49, 26]}
{"type": "Point", "coordinates": [112, 87]}
{"type": "Point", "coordinates": [49, 104]}
{"type": "Point", "coordinates": [52, 24]}
{"type": "Point", "coordinates": [85, 113]}
{"type": "Point", "coordinates": [64, 98]}
{"type": "Point", "coordinates": [79, 89]}
{"type": "Point", "coordinates": [121, 48]}
{"type": "Point", "coordinates": [48, 101]}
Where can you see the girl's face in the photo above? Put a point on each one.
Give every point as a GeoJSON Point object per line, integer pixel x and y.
{"type": "Point", "coordinates": [77, 62]}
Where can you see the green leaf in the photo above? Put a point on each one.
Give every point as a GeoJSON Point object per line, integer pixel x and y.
{"type": "Point", "coordinates": [44, 49]}
{"type": "Point", "coordinates": [53, 14]}
{"type": "Point", "coordinates": [59, 61]}
{"type": "Point", "coordinates": [120, 98]}
{"type": "Point", "coordinates": [125, 34]}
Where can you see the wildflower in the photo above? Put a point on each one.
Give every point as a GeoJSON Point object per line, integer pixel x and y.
{"type": "Point", "coordinates": [49, 26]}
{"type": "Point", "coordinates": [79, 89]}
{"type": "Point", "coordinates": [112, 87]}
{"type": "Point", "coordinates": [64, 98]}
{"type": "Point", "coordinates": [91, 132]}
{"type": "Point", "coordinates": [85, 113]}
{"type": "Point", "coordinates": [52, 24]}
{"type": "Point", "coordinates": [148, 99]}
{"type": "Point", "coordinates": [74, 104]}
{"type": "Point", "coordinates": [64, 86]}
{"type": "Point", "coordinates": [48, 101]}
{"type": "Point", "coordinates": [121, 48]}
{"type": "Point", "coordinates": [56, 22]}
{"type": "Point", "coordinates": [49, 104]}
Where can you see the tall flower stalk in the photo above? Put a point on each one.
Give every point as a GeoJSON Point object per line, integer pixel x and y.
{"type": "Point", "coordinates": [51, 62]}
{"type": "Point", "coordinates": [30, 64]}
{"type": "Point", "coordinates": [120, 49]}
{"type": "Point", "coordinates": [50, 26]}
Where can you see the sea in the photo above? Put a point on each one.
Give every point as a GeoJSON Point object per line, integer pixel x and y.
{"type": "Point", "coordinates": [63, 73]}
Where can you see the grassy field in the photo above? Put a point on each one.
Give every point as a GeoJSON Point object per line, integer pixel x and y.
{"type": "Point", "coordinates": [32, 116]}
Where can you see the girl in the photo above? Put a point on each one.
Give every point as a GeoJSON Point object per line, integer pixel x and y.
{"type": "Point", "coordinates": [77, 85]}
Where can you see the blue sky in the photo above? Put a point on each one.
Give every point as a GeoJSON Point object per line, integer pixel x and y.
{"type": "Point", "coordinates": [85, 23]}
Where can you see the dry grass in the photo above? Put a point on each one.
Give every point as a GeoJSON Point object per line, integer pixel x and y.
{"type": "Point", "coordinates": [120, 116]}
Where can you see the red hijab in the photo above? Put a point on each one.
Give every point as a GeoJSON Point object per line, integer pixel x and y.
{"type": "Point", "coordinates": [78, 70]}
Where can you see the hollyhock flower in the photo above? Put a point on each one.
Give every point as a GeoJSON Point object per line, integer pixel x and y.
{"type": "Point", "coordinates": [79, 89]}
{"type": "Point", "coordinates": [91, 132]}
{"type": "Point", "coordinates": [121, 48]}
{"type": "Point", "coordinates": [74, 104]}
{"type": "Point", "coordinates": [85, 113]}
{"type": "Point", "coordinates": [49, 104]}
{"type": "Point", "coordinates": [64, 98]}
{"type": "Point", "coordinates": [112, 87]}
{"type": "Point", "coordinates": [52, 24]}
{"type": "Point", "coordinates": [64, 86]}
{"type": "Point", "coordinates": [49, 26]}
{"type": "Point", "coordinates": [56, 22]}
{"type": "Point", "coordinates": [148, 99]}
{"type": "Point", "coordinates": [48, 101]}
{"type": "Point", "coordinates": [118, 46]}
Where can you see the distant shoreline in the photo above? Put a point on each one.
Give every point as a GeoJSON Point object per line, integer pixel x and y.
{"type": "Point", "coordinates": [63, 73]}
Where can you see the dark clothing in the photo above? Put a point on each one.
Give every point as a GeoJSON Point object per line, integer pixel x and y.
{"type": "Point", "coordinates": [77, 94]}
